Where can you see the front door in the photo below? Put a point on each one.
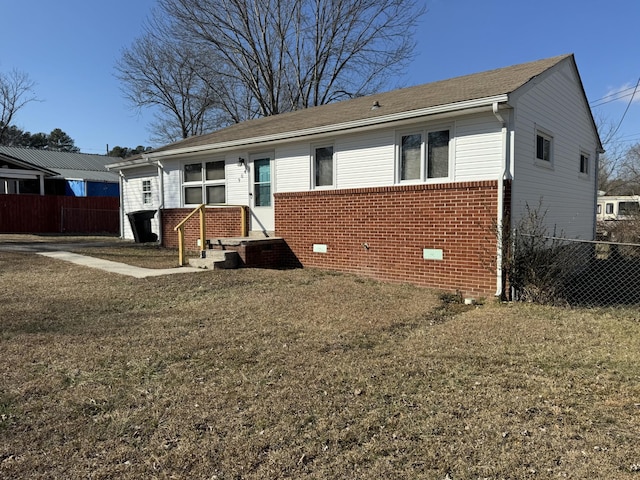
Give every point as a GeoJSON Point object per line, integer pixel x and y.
{"type": "Point", "coordinates": [261, 193]}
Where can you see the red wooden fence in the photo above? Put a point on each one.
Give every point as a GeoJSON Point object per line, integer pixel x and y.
{"type": "Point", "coordinates": [58, 214]}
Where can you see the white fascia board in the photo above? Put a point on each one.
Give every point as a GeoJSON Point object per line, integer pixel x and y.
{"type": "Point", "coordinates": [139, 162]}
{"type": "Point", "coordinates": [338, 127]}
{"type": "Point", "coordinates": [17, 174]}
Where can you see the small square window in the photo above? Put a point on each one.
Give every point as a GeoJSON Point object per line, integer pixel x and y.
{"type": "Point", "coordinates": [609, 208]}
{"type": "Point", "coordinates": [193, 195]}
{"type": "Point", "coordinates": [215, 194]}
{"type": "Point", "coordinates": [193, 172]}
{"type": "Point", "coordinates": [543, 147]}
{"type": "Point", "coordinates": [215, 170]}
{"type": "Point", "coordinates": [584, 164]}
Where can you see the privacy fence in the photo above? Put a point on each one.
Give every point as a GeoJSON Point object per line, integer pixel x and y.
{"type": "Point", "coordinates": [59, 214]}
{"type": "Point", "coordinates": [576, 273]}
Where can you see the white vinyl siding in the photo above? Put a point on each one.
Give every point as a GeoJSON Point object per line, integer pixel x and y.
{"type": "Point", "coordinates": [237, 176]}
{"type": "Point", "coordinates": [133, 197]}
{"type": "Point", "coordinates": [478, 149]}
{"type": "Point", "coordinates": [365, 160]}
{"type": "Point", "coordinates": [555, 104]}
{"type": "Point", "coordinates": [172, 184]}
{"type": "Point", "coordinates": [293, 168]}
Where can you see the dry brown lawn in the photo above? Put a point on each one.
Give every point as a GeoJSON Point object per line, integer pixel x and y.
{"type": "Point", "coordinates": [258, 374]}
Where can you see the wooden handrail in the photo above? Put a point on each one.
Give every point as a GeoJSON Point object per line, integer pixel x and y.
{"type": "Point", "coordinates": [180, 229]}
{"type": "Point", "coordinates": [195, 210]}
{"type": "Point", "coordinates": [203, 228]}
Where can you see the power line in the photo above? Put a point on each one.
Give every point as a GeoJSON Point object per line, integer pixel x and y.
{"type": "Point", "coordinates": [635, 90]}
{"type": "Point", "coordinates": [616, 96]}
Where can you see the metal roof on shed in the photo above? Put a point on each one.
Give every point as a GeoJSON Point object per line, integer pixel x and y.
{"type": "Point", "coordinates": [68, 165]}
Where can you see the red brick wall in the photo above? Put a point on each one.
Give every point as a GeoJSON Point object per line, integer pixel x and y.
{"type": "Point", "coordinates": [397, 223]}
{"type": "Point", "coordinates": [221, 222]}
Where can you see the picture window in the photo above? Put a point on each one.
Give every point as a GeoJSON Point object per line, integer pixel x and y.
{"type": "Point", "coordinates": [424, 155]}
{"type": "Point", "coordinates": [204, 182]}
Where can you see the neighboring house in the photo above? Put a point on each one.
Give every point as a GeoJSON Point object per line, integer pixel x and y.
{"type": "Point", "coordinates": [407, 185]}
{"type": "Point", "coordinates": [45, 172]}
{"type": "Point", "coordinates": [44, 191]}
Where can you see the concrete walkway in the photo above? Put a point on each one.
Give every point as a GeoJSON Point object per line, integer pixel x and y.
{"type": "Point", "coordinates": [116, 267]}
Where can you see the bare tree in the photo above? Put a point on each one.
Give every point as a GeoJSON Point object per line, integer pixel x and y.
{"type": "Point", "coordinates": [263, 57]}
{"type": "Point", "coordinates": [290, 54]}
{"type": "Point", "coordinates": [159, 71]}
{"type": "Point", "coordinates": [16, 90]}
{"type": "Point", "coordinates": [630, 170]}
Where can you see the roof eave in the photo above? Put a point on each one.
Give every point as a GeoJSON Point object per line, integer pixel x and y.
{"type": "Point", "coordinates": [138, 162]}
{"type": "Point", "coordinates": [325, 129]}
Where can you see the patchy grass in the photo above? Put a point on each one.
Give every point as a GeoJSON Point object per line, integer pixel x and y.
{"type": "Point", "coordinates": [146, 255]}
{"type": "Point", "coordinates": [253, 374]}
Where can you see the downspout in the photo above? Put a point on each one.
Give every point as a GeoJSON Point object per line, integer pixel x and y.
{"type": "Point", "coordinates": [161, 206]}
{"type": "Point", "coordinates": [596, 169]}
{"type": "Point", "coordinates": [121, 204]}
{"type": "Point", "coordinates": [500, 217]}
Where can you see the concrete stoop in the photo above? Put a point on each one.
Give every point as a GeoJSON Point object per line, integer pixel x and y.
{"type": "Point", "coordinates": [217, 260]}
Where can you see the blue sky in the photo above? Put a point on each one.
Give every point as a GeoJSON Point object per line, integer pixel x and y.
{"type": "Point", "coordinates": [70, 50]}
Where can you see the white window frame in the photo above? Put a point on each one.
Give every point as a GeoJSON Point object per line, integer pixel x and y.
{"type": "Point", "coordinates": [424, 149]}
{"type": "Point", "coordinates": [314, 149]}
{"type": "Point", "coordinates": [202, 183]}
{"type": "Point", "coordinates": [147, 193]}
{"type": "Point", "coordinates": [546, 136]}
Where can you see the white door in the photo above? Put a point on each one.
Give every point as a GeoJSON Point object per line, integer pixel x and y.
{"type": "Point", "coordinates": [261, 217]}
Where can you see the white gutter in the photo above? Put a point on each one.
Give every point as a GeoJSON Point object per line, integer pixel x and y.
{"type": "Point", "coordinates": [500, 217]}
{"type": "Point", "coordinates": [480, 104]}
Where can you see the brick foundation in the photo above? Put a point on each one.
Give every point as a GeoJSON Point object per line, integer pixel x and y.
{"type": "Point", "coordinates": [261, 253]}
{"type": "Point", "coordinates": [221, 222]}
{"type": "Point", "coordinates": [381, 233]}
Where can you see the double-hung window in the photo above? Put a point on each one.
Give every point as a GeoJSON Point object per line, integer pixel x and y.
{"type": "Point", "coordinates": [204, 182]}
{"type": "Point", "coordinates": [147, 199]}
{"type": "Point", "coordinates": [424, 155]}
{"type": "Point", "coordinates": [323, 166]}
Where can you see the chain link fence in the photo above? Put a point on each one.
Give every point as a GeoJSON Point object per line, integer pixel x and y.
{"type": "Point", "coordinates": [569, 272]}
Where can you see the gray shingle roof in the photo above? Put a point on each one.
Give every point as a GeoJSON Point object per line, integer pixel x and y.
{"type": "Point", "coordinates": [502, 81]}
{"type": "Point", "coordinates": [68, 165]}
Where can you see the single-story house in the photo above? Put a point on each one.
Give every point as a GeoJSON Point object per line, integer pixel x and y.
{"type": "Point", "coordinates": [407, 185]}
{"type": "Point", "coordinates": [46, 172]}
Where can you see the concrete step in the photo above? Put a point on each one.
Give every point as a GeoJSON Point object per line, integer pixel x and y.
{"type": "Point", "coordinates": [216, 260]}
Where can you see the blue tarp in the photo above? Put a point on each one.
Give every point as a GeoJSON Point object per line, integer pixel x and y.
{"type": "Point", "coordinates": [75, 188]}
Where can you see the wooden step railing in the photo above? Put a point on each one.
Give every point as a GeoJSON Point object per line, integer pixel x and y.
{"type": "Point", "coordinates": [203, 229]}
{"type": "Point", "coordinates": [180, 229]}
